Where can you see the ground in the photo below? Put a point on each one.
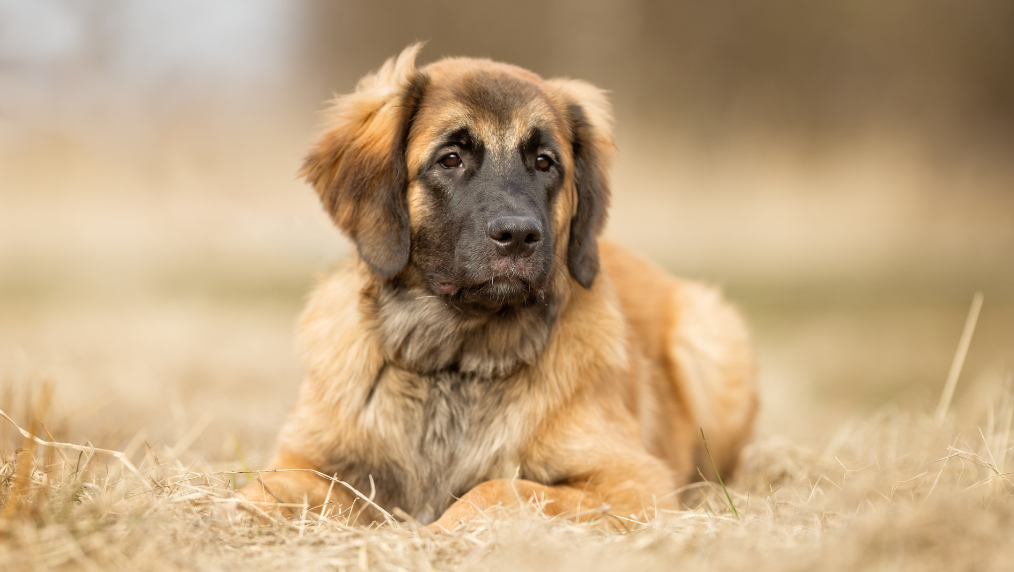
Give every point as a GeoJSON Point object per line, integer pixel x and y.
{"type": "Point", "coordinates": [893, 491]}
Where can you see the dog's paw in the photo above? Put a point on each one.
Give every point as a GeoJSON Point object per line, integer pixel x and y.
{"type": "Point", "coordinates": [255, 502]}
{"type": "Point", "coordinates": [454, 518]}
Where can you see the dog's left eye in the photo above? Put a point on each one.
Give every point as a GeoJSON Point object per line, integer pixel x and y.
{"type": "Point", "coordinates": [450, 161]}
{"type": "Point", "coordinates": [543, 163]}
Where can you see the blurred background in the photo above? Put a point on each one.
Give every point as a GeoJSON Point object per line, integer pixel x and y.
{"type": "Point", "coordinates": [842, 169]}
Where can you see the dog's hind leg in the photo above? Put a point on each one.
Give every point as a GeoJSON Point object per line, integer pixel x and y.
{"type": "Point", "coordinates": [711, 361]}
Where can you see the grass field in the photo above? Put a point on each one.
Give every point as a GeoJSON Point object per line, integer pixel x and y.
{"type": "Point", "coordinates": [891, 491]}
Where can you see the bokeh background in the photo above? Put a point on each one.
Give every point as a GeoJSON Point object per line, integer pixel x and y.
{"type": "Point", "coordinates": [843, 169]}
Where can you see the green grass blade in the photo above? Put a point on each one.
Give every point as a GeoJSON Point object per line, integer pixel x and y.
{"type": "Point", "coordinates": [727, 495]}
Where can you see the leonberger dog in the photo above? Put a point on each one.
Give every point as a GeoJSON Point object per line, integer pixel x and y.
{"type": "Point", "coordinates": [485, 348]}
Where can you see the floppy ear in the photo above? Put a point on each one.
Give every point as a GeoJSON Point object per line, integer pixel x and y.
{"type": "Point", "coordinates": [358, 165]}
{"type": "Point", "coordinates": [589, 121]}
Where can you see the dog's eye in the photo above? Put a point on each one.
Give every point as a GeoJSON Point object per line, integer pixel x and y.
{"type": "Point", "coordinates": [543, 163]}
{"type": "Point", "coordinates": [450, 161]}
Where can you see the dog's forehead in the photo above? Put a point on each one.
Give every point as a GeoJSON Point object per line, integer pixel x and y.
{"type": "Point", "coordinates": [498, 104]}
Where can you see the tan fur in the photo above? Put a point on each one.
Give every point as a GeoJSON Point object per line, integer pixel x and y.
{"type": "Point", "coordinates": [591, 404]}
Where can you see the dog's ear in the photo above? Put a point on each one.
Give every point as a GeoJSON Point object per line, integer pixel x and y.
{"type": "Point", "coordinates": [589, 122]}
{"type": "Point", "coordinates": [358, 165]}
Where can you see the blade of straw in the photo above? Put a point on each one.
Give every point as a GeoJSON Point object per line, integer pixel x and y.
{"type": "Point", "coordinates": [115, 454]}
{"type": "Point", "coordinates": [959, 357]}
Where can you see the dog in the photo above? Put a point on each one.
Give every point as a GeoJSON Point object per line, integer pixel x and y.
{"type": "Point", "coordinates": [484, 348]}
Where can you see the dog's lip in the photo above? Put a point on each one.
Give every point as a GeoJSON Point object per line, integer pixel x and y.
{"type": "Point", "coordinates": [447, 287]}
{"type": "Point", "coordinates": [499, 280]}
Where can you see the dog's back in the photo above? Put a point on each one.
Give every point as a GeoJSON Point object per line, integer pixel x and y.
{"type": "Point", "coordinates": [699, 360]}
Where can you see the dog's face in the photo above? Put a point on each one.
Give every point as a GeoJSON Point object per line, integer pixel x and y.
{"type": "Point", "coordinates": [476, 181]}
{"type": "Point", "coordinates": [486, 161]}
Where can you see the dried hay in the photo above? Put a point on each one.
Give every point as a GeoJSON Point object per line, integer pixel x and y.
{"type": "Point", "coordinates": [894, 491]}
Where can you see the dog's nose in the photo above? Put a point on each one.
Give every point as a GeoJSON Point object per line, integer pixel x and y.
{"type": "Point", "coordinates": [515, 234]}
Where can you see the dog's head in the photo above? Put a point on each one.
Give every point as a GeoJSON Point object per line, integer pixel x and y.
{"type": "Point", "coordinates": [483, 179]}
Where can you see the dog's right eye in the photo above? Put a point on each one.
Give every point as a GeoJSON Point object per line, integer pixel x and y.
{"type": "Point", "coordinates": [450, 161]}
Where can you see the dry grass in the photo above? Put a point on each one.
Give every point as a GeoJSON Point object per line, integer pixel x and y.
{"type": "Point", "coordinates": [893, 491]}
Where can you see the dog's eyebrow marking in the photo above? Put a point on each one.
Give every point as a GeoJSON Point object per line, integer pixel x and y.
{"type": "Point", "coordinates": [531, 139]}
{"type": "Point", "coordinates": [457, 133]}
{"type": "Point", "coordinates": [461, 136]}
{"type": "Point", "coordinates": [536, 139]}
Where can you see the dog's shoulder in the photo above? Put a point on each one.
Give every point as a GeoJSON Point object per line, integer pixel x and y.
{"type": "Point", "coordinates": [332, 308]}
{"type": "Point", "coordinates": [644, 292]}
{"type": "Point", "coordinates": [663, 308]}
{"type": "Point", "coordinates": [334, 334]}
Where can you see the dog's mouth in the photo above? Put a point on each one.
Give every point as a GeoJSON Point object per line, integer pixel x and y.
{"type": "Point", "coordinates": [493, 293]}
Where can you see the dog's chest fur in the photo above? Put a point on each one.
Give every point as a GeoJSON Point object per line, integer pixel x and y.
{"type": "Point", "coordinates": [428, 335]}
{"type": "Point", "coordinates": [440, 415]}
{"type": "Point", "coordinates": [448, 433]}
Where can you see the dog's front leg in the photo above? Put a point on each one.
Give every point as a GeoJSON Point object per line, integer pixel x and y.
{"type": "Point", "coordinates": [618, 507]}
{"type": "Point", "coordinates": [510, 493]}
{"type": "Point", "coordinates": [621, 489]}
{"type": "Point", "coordinates": [293, 482]}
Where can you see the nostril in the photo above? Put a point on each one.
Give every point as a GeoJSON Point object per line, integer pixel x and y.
{"type": "Point", "coordinates": [515, 234]}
